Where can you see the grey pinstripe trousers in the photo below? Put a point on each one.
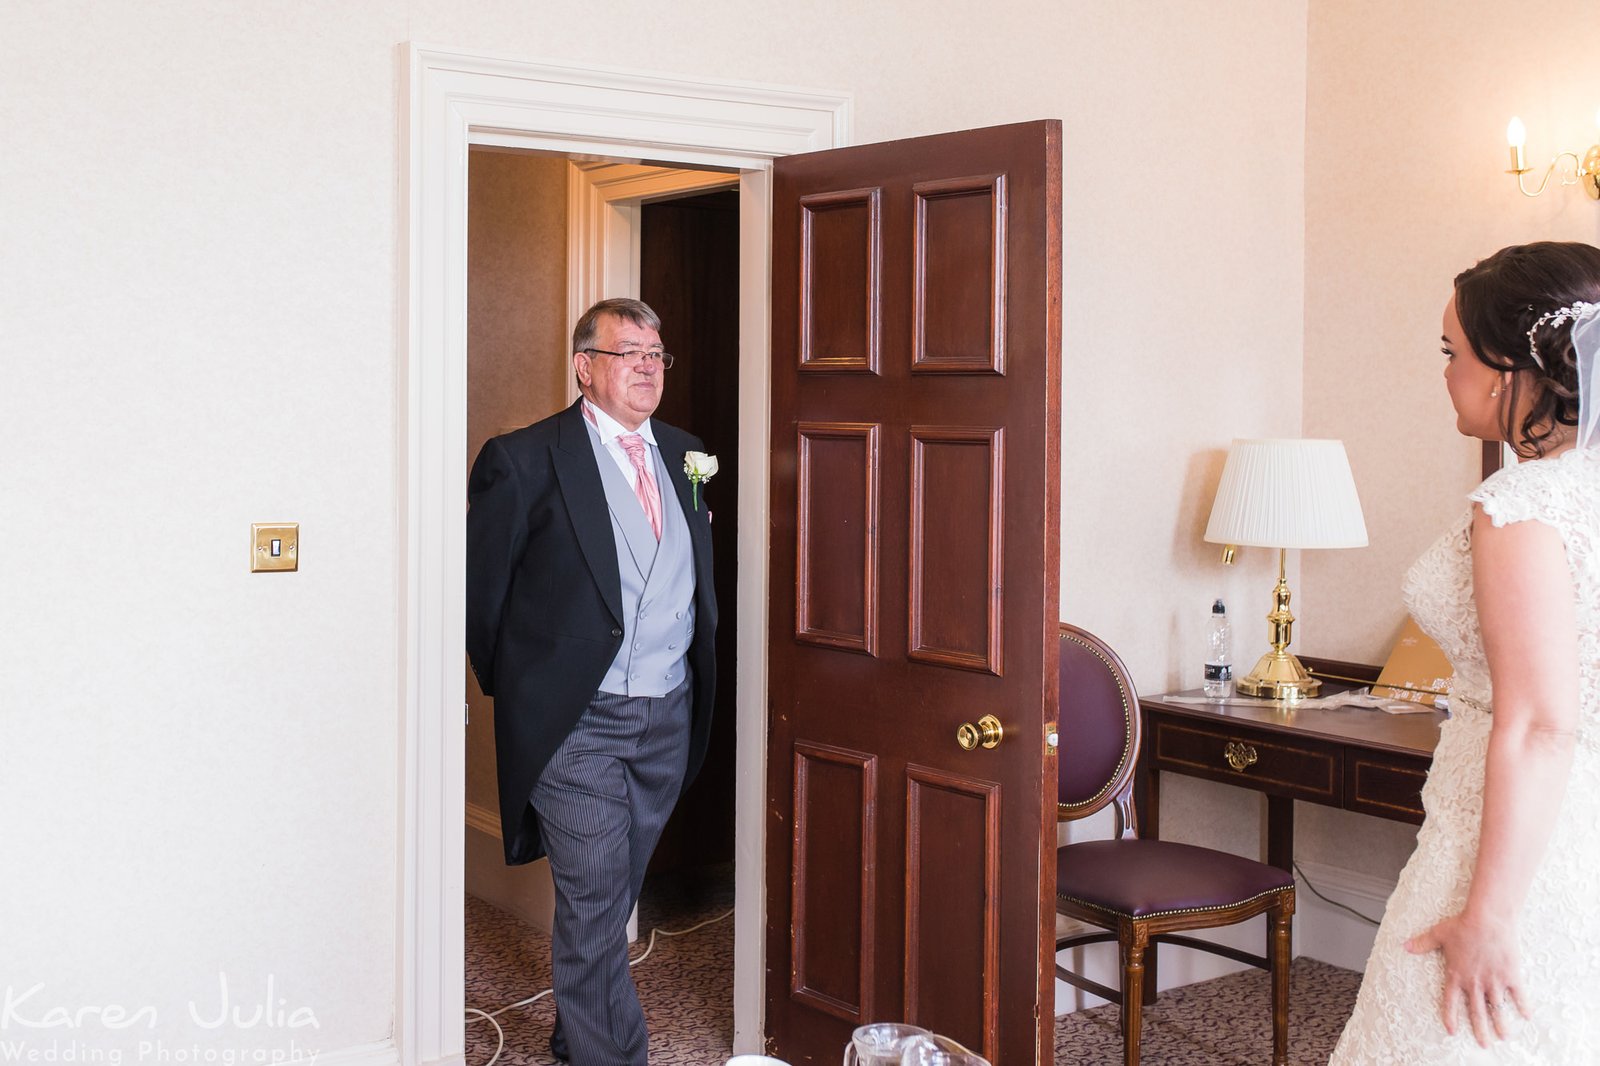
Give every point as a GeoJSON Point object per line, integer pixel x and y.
{"type": "Point", "coordinates": [602, 802]}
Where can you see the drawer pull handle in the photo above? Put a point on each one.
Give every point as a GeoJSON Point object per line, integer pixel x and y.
{"type": "Point", "coordinates": [1239, 756]}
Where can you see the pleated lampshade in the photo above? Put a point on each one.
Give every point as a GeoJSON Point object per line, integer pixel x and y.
{"type": "Point", "coordinates": [1287, 494]}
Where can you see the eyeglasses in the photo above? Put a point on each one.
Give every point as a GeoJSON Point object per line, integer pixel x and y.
{"type": "Point", "coordinates": [637, 356]}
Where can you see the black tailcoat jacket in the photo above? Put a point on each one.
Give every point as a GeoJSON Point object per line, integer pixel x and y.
{"type": "Point", "coordinates": [544, 599]}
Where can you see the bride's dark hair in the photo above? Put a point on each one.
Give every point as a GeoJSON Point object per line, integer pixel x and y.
{"type": "Point", "coordinates": [1499, 300]}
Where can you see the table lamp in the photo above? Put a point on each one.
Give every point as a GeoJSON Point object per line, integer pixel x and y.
{"type": "Point", "coordinates": [1285, 494]}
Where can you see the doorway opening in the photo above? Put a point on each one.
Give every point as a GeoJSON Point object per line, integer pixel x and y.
{"type": "Point", "coordinates": [457, 100]}
{"type": "Point", "coordinates": [544, 230]}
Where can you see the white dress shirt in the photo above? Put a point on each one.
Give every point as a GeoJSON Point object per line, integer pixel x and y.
{"type": "Point", "coordinates": [610, 429]}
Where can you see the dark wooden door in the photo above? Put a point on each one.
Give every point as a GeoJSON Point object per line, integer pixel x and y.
{"type": "Point", "coordinates": [915, 550]}
{"type": "Point", "coordinates": [689, 273]}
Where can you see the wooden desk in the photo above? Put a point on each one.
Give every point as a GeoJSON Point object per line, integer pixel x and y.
{"type": "Point", "coordinates": [1357, 759]}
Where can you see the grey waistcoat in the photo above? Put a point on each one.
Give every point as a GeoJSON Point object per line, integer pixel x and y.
{"type": "Point", "coordinates": [657, 583]}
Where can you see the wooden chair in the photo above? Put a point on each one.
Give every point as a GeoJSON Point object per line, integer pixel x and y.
{"type": "Point", "coordinates": [1144, 891]}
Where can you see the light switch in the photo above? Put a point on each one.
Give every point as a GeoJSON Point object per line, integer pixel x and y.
{"type": "Point", "coordinates": [274, 546]}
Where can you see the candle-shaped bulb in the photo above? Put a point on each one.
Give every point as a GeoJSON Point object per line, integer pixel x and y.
{"type": "Point", "coordinates": [1516, 137]}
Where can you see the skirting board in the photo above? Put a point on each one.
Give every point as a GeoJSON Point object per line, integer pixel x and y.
{"type": "Point", "coordinates": [1328, 934]}
{"type": "Point", "coordinates": [525, 891]}
{"type": "Point", "coordinates": [1321, 931]}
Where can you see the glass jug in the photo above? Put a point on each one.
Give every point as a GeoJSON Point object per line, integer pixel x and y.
{"type": "Point", "coordinates": [880, 1044]}
{"type": "Point", "coordinates": [934, 1050]}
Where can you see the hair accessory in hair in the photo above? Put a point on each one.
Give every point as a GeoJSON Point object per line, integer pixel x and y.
{"type": "Point", "coordinates": [1555, 318]}
{"type": "Point", "coordinates": [1585, 343]}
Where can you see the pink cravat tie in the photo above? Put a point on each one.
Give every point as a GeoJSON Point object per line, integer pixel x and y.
{"type": "Point", "coordinates": [644, 486]}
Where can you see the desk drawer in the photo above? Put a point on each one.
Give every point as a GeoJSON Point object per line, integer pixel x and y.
{"type": "Point", "coordinates": [1389, 788]}
{"type": "Point", "coordinates": [1264, 761]}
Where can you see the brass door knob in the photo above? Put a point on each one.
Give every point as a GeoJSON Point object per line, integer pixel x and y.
{"type": "Point", "coordinates": [988, 732]}
{"type": "Point", "coordinates": [1239, 755]}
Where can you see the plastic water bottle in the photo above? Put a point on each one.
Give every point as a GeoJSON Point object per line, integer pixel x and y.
{"type": "Point", "coordinates": [1219, 654]}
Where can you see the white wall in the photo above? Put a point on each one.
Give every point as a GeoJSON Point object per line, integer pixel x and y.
{"type": "Point", "coordinates": [1183, 318]}
{"type": "Point", "coordinates": [198, 304]}
{"type": "Point", "coordinates": [198, 278]}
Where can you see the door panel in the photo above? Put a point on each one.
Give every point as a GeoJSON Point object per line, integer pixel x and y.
{"type": "Point", "coordinates": [835, 887]}
{"type": "Point", "coordinates": [957, 522]}
{"type": "Point", "coordinates": [836, 558]}
{"type": "Point", "coordinates": [915, 554]}
{"type": "Point", "coordinates": [952, 935]}
{"type": "Point", "coordinates": [840, 280]}
{"type": "Point", "coordinates": [959, 317]}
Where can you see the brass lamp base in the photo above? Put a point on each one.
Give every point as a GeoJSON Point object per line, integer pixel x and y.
{"type": "Point", "coordinates": [1278, 675]}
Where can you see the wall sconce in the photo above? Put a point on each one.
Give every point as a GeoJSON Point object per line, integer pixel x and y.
{"type": "Point", "coordinates": [1585, 171]}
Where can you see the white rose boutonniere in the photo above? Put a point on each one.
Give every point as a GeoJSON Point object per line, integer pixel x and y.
{"type": "Point", "coordinates": [700, 467]}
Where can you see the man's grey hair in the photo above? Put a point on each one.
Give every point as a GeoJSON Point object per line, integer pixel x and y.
{"type": "Point", "coordinates": [636, 311]}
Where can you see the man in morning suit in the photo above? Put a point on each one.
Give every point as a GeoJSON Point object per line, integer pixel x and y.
{"type": "Point", "coordinates": [590, 620]}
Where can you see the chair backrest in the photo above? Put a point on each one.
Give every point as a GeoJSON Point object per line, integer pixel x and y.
{"type": "Point", "coordinates": [1099, 724]}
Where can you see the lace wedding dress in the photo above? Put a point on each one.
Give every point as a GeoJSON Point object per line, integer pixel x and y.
{"type": "Point", "coordinates": [1396, 1018]}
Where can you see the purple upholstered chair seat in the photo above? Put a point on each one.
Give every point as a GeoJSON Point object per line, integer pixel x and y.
{"type": "Point", "coordinates": [1144, 878]}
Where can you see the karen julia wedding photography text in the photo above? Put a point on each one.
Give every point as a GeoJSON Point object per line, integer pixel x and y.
{"type": "Point", "coordinates": [35, 1030]}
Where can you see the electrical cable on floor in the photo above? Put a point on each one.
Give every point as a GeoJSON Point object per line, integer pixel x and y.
{"type": "Point", "coordinates": [500, 1034]}
{"type": "Point", "coordinates": [1331, 902]}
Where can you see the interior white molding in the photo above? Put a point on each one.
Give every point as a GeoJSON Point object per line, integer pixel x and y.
{"type": "Point", "coordinates": [1357, 888]}
{"type": "Point", "coordinates": [604, 216]}
{"type": "Point", "coordinates": [454, 100]}
{"type": "Point", "coordinates": [630, 181]}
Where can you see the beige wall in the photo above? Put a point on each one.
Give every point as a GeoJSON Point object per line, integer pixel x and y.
{"type": "Point", "coordinates": [1406, 112]}
{"type": "Point", "coordinates": [1405, 151]}
{"type": "Point", "coordinates": [198, 293]}
{"type": "Point", "coordinates": [1182, 309]}
{"type": "Point", "coordinates": [517, 363]}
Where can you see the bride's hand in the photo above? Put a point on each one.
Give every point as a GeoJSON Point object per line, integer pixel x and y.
{"type": "Point", "coordinates": [1480, 964]}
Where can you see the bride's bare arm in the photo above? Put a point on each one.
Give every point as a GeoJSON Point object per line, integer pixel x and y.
{"type": "Point", "coordinates": [1527, 613]}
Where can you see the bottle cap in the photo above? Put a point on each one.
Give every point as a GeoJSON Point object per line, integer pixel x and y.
{"type": "Point", "coordinates": [1218, 608]}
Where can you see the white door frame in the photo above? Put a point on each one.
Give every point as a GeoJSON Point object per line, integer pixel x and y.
{"type": "Point", "coordinates": [456, 100]}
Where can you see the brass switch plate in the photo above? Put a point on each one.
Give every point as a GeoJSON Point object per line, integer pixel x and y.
{"type": "Point", "coordinates": [274, 546]}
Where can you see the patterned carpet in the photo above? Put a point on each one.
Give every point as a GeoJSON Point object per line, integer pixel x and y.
{"type": "Point", "coordinates": [1225, 1022]}
{"type": "Point", "coordinates": [687, 987]}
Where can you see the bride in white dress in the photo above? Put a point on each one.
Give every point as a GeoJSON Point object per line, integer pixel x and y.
{"type": "Point", "coordinates": [1489, 951]}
